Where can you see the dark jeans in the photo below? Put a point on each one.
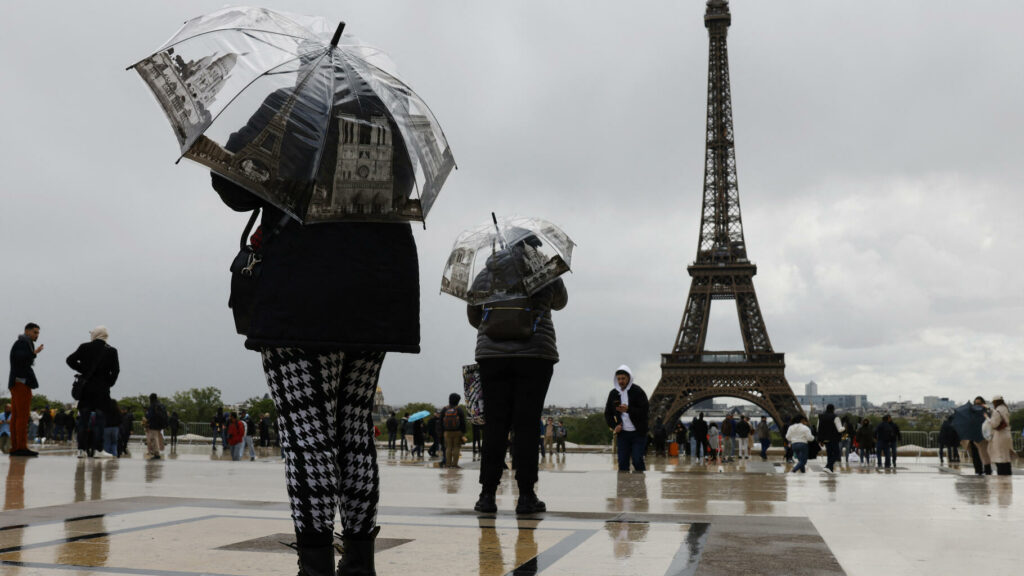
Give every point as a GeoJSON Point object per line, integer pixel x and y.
{"type": "Point", "coordinates": [832, 454]}
{"type": "Point", "coordinates": [766, 443]}
{"type": "Point", "coordinates": [392, 434]}
{"type": "Point", "coordinates": [632, 446]}
{"type": "Point", "coordinates": [800, 451]}
{"type": "Point", "coordinates": [514, 390]}
{"type": "Point", "coordinates": [885, 448]}
{"type": "Point", "coordinates": [90, 429]}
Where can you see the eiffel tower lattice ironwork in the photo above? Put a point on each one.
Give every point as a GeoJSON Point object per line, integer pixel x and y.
{"type": "Point", "coordinates": [690, 374]}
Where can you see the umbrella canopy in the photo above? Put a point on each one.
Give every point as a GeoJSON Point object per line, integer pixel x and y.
{"type": "Point", "coordinates": [311, 121]}
{"type": "Point", "coordinates": [967, 421]}
{"type": "Point", "coordinates": [419, 415]}
{"type": "Point", "coordinates": [505, 259]}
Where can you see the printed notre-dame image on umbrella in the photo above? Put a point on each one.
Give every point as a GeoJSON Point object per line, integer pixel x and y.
{"type": "Point", "coordinates": [308, 119]}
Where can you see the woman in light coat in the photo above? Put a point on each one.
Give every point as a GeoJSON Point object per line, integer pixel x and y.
{"type": "Point", "coordinates": [1001, 444]}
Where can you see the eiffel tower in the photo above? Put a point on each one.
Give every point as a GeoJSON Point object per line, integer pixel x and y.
{"type": "Point", "coordinates": [690, 374]}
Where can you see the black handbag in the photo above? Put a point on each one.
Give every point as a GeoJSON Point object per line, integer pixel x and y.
{"type": "Point", "coordinates": [245, 274]}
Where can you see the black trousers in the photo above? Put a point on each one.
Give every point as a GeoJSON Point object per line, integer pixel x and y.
{"type": "Point", "coordinates": [514, 390]}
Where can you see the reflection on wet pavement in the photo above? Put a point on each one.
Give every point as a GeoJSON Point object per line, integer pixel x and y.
{"type": "Point", "coordinates": [200, 514]}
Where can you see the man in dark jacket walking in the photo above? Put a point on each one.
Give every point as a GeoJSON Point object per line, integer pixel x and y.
{"type": "Point", "coordinates": [626, 413]}
{"type": "Point", "coordinates": [392, 426]}
{"type": "Point", "coordinates": [830, 431]}
{"type": "Point", "coordinates": [21, 382]}
{"type": "Point", "coordinates": [514, 375]}
{"type": "Point", "coordinates": [97, 364]}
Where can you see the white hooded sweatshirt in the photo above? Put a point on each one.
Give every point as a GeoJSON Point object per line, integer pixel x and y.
{"type": "Point", "coordinates": [627, 424]}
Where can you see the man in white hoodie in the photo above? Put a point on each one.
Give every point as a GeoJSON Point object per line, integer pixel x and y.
{"type": "Point", "coordinates": [626, 414]}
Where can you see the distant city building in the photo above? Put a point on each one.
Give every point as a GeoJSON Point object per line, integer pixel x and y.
{"type": "Point", "coordinates": [840, 401]}
{"type": "Point", "coordinates": [938, 403]}
{"type": "Point", "coordinates": [811, 389]}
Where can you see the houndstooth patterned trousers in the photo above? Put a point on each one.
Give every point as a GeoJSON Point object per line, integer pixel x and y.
{"type": "Point", "coordinates": [324, 403]}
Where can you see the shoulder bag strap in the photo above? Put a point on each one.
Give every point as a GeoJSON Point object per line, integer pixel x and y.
{"type": "Point", "coordinates": [244, 240]}
{"type": "Point", "coordinates": [248, 229]}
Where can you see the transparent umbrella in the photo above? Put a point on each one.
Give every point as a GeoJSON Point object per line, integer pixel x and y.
{"type": "Point", "coordinates": [313, 122]}
{"type": "Point", "coordinates": [505, 259]}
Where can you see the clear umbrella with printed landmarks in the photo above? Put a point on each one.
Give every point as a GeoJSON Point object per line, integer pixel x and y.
{"type": "Point", "coordinates": [306, 118]}
{"type": "Point", "coordinates": [521, 256]}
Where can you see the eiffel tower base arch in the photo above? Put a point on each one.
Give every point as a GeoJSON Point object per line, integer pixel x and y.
{"type": "Point", "coordinates": [684, 384]}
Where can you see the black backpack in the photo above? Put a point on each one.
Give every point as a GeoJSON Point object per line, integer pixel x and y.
{"type": "Point", "coordinates": [160, 419]}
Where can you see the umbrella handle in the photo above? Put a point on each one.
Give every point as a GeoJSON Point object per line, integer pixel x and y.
{"type": "Point", "coordinates": [497, 231]}
{"type": "Point", "coordinates": [337, 34]}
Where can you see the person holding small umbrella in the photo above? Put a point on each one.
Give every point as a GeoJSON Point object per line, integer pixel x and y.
{"type": "Point", "coordinates": [516, 349]}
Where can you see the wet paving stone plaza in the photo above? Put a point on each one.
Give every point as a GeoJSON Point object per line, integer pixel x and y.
{"type": "Point", "coordinates": [196, 514]}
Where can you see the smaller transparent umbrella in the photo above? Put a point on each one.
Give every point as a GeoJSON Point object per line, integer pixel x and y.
{"type": "Point", "coordinates": [506, 259]}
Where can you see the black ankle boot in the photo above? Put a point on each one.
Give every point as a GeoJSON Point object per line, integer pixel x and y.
{"type": "Point", "coordinates": [357, 554]}
{"type": "Point", "coordinates": [1003, 469]}
{"type": "Point", "coordinates": [318, 561]}
{"type": "Point", "coordinates": [486, 503]}
{"type": "Point", "coordinates": [988, 469]}
{"type": "Point", "coordinates": [529, 503]}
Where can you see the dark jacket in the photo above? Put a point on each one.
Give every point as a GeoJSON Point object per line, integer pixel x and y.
{"type": "Point", "coordinates": [23, 355]}
{"type": "Point", "coordinates": [743, 429]}
{"type": "Point", "coordinates": [680, 434]}
{"type": "Point", "coordinates": [865, 437]}
{"type": "Point", "coordinates": [728, 427]}
{"type": "Point", "coordinates": [392, 425]}
{"type": "Point", "coordinates": [638, 408]}
{"type": "Point", "coordinates": [543, 342]}
{"type": "Point", "coordinates": [417, 432]}
{"type": "Point", "coordinates": [827, 431]}
{"type": "Point", "coordinates": [348, 286]}
{"type": "Point", "coordinates": [97, 360]}
{"type": "Point", "coordinates": [699, 429]}
{"type": "Point", "coordinates": [947, 434]}
{"type": "Point", "coordinates": [112, 415]}
{"type": "Point", "coordinates": [885, 433]}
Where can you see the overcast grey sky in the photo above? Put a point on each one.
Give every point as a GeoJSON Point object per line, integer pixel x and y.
{"type": "Point", "coordinates": [878, 147]}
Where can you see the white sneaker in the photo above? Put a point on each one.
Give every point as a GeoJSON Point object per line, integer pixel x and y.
{"type": "Point", "coordinates": [81, 453]}
{"type": "Point", "coordinates": [104, 454]}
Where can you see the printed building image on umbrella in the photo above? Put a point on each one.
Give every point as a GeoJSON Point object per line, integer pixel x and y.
{"type": "Point", "coordinates": [507, 259]}
{"type": "Point", "coordinates": [317, 125]}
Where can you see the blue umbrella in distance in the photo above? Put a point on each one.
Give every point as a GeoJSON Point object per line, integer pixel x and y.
{"type": "Point", "coordinates": [419, 415]}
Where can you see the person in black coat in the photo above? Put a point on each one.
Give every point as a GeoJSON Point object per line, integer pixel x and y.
{"type": "Point", "coordinates": [699, 436]}
{"type": "Point", "coordinates": [830, 432]}
{"type": "Point", "coordinates": [392, 428]}
{"type": "Point", "coordinates": [99, 366]}
{"type": "Point", "coordinates": [331, 299]}
{"type": "Point", "coordinates": [127, 423]}
{"type": "Point", "coordinates": [21, 382]}
{"type": "Point", "coordinates": [626, 413]}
